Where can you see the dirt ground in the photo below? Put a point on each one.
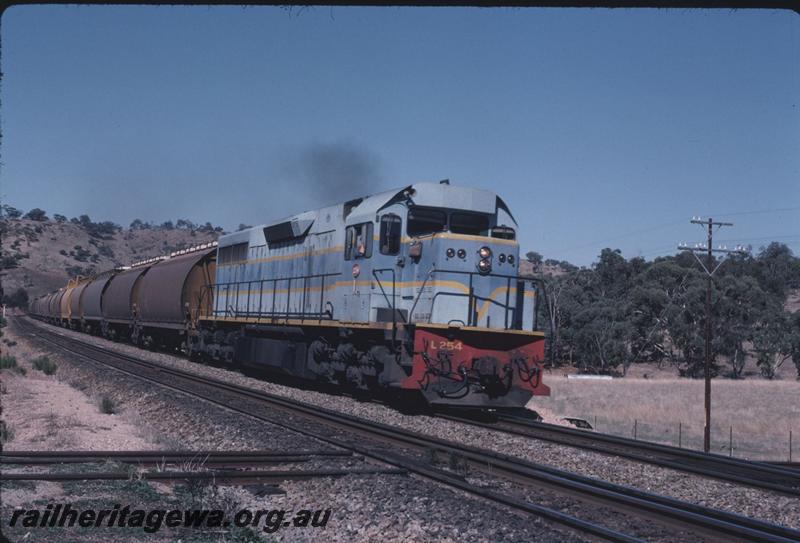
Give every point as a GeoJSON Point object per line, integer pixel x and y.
{"type": "Point", "coordinates": [48, 415]}
{"type": "Point", "coordinates": [42, 413]}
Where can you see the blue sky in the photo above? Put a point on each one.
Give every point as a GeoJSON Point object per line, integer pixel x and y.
{"type": "Point", "coordinates": [599, 127]}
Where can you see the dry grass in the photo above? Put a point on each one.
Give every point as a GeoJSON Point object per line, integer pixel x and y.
{"type": "Point", "coordinates": [761, 413]}
{"type": "Point", "coordinates": [6, 432]}
{"type": "Point", "coordinates": [45, 365]}
{"type": "Point", "coordinates": [107, 406]}
{"type": "Point", "coordinates": [8, 362]}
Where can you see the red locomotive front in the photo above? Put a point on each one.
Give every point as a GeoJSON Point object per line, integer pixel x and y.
{"type": "Point", "coordinates": [471, 367]}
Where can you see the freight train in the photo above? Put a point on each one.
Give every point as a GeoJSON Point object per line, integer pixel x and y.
{"type": "Point", "coordinates": [411, 292]}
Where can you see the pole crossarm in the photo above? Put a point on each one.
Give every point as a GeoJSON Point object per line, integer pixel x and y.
{"type": "Point", "coordinates": [713, 223]}
{"type": "Point", "coordinates": [698, 249]}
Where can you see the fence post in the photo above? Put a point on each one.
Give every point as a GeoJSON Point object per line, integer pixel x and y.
{"type": "Point", "coordinates": [730, 442]}
{"type": "Point", "coordinates": [790, 445]}
{"type": "Point", "coordinates": [680, 435]}
{"type": "Point", "coordinates": [635, 429]}
{"type": "Point", "coordinates": [595, 424]}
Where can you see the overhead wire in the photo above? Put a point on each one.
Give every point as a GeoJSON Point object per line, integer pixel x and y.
{"type": "Point", "coordinates": [627, 234]}
{"type": "Point", "coordinates": [598, 243]}
{"type": "Point", "coordinates": [755, 212]}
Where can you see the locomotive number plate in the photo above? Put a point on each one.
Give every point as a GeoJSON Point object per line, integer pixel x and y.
{"type": "Point", "coordinates": [450, 345]}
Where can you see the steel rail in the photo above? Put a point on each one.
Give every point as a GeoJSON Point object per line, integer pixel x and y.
{"type": "Point", "coordinates": [216, 475]}
{"type": "Point", "coordinates": [742, 472]}
{"type": "Point", "coordinates": [791, 466]}
{"type": "Point", "coordinates": [160, 457]}
{"type": "Point", "coordinates": [714, 522]}
{"type": "Point", "coordinates": [150, 458]}
{"type": "Point", "coordinates": [772, 468]}
{"type": "Point", "coordinates": [172, 453]}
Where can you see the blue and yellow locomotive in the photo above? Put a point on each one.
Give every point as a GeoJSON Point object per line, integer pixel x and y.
{"type": "Point", "coordinates": [413, 289]}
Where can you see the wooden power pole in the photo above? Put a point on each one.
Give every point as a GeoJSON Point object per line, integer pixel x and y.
{"type": "Point", "coordinates": [707, 267]}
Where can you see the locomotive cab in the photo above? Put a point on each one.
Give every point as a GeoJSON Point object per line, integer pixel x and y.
{"type": "Point", "coordinates": [443, 255]}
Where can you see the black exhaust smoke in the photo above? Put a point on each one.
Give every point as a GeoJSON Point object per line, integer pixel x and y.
{"type": "Point", "coordinates": [332, 172]}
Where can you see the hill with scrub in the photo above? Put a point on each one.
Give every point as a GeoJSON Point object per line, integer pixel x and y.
{"type": "Point", "coordinates": [39, 253]}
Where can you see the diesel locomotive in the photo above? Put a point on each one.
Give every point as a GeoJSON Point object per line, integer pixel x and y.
{"type": "Point", "coordinates": [410, 292]}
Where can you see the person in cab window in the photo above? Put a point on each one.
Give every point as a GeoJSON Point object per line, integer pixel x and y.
{"type": "Point", "coordinates": [361, 248]}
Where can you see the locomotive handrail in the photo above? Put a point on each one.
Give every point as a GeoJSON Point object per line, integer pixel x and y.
{"type": "Point", "coordinates": [392, 303]}
{"type": "Point", "coordinates": [421, 289]}
{"type": "Point", "coordinates": [232, 307]}
{"type": "Point", "coordinates": [501, 275]}
{"type": "Point", "coordinates": [232, 289]}
{"type": "Point", "coordinates": [472, 298]}
{"type": "Point", "coordinates": [394, 288]}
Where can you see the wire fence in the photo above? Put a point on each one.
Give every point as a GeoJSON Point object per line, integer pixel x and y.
{"type": "Point", "coordinates": [767, 445]}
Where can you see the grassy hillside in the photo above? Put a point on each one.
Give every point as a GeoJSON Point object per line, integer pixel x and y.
{"type": "Point", "coordinates": [41, 255]}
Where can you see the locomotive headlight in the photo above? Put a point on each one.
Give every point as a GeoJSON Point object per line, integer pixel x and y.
{"type": "Point", "coordinates": [462, 253]}
{"type": "Point", "coordinates": [501, 258]}
{"type": "Point", "coordinates": [484, 266]}
{"type": "Point", "coordinates": [451, 253]}
{"type": "Point", "coordinates": [510, 259]}
{"type": "Point", "coordinates": [485, 253]}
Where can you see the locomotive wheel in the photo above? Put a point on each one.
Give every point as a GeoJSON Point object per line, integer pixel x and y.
{"type": "Point", "coordinates": [192, 352]}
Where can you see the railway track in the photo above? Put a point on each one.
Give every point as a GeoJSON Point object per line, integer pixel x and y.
{"type": "Point", "coordinates": [778, 478]}
{"type": "Point", "coordinates": [228, 458]}
{"type": "Point", "coordinates": [795, 466]}
{"type": "Point", "coordinates": [192, 465]}
{"type": "Point", "coordinates": [711, 523]}
{"type": "Point", "coordinates": [228, 476]}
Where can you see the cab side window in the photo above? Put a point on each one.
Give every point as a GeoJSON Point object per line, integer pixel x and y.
{"type": "Point", "coordinates": [472, 224]}
{"type": "Point", "coordinates": [358, 241]}
{"type": "Point", "coordinates": [423, 221]}
{"type": "Point", "coordinates": [390, 234]}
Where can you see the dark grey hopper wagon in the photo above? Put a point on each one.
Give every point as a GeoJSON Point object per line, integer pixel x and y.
{"type": "Point", "coordinates": [121, 295]}
{"type": "Point", "coordinates": [92, 300]}
{"type": "Point", "coordinates": [172, 289]}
